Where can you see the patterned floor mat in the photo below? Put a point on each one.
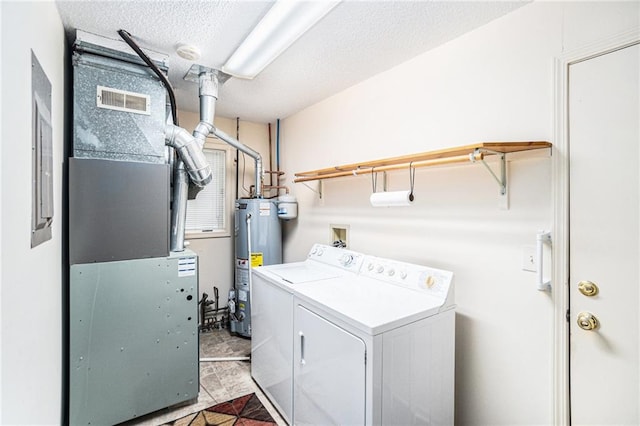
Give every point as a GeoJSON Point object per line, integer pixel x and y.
{"type": "Point", "coordinates": [242, 411]}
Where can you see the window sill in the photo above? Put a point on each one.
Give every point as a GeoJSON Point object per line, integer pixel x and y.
{"type": "Point", "coordinates": [208, 234]}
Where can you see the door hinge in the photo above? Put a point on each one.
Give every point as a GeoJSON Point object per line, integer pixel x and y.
{"type": "Point", "coordinates": [568, 315]}
{"type": "Point", "coordinates": [365, 357]}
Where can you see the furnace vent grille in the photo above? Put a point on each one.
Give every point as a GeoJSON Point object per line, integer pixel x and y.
{"type": "Point", "coordinates": [121, 100]}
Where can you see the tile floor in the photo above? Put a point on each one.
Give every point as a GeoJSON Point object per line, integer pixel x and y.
{"type": "Point", "coordinates": [219, 381]}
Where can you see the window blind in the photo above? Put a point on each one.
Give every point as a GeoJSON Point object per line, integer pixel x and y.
{"type": "Point", "coordinates": [207, 212]}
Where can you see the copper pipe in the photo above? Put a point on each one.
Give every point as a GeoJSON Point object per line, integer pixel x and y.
{"type": "Point", "coordinates": [270, 157]}
{"type": "Point", "coordinates": [268, 187]}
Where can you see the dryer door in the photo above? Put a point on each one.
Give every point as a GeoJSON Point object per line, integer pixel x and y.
{"type": "Point", "coordinates": [329, 372]}
{"type": "Point", "coordinates": [271, 345]}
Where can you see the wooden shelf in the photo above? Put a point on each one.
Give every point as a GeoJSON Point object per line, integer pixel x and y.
{"type": "Point", "coordinates": [467, 153]}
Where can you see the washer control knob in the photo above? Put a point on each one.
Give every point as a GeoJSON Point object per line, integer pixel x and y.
{"type": "Point", "coordinates": [403, 274]}
{"type": "Point", "coordinates": [370, 267]}
{"type": "Point", "coordinates": [391, 272]}
{"type": "Point", "coordinates": [320, 252]}
{"type": "Point", "coordinates": [379, 269]}
{"type": "Point", "coordinates": [429, 281]}
{"type": "Point", "coordinates": [314, 250]}
{"type": "Point", "coordinates": [346, 259]}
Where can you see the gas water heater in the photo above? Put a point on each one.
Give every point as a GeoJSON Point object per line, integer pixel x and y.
{"type": "Point", "coordinates": [258, 240]}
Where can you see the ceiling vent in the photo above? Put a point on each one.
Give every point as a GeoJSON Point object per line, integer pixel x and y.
{"type": "Point", "coordinates": [121, 100]}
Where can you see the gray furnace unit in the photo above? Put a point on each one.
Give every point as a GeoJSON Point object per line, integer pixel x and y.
{"type": "Point", "coordinates": [133, 321]}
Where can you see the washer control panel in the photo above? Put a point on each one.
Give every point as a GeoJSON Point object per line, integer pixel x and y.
{"type": "Point", "coordinates": [420, 278]}
{"type": "Point", "coordinates": [435, 282]}
{"type": "Point", "coordinates": [334, 256]}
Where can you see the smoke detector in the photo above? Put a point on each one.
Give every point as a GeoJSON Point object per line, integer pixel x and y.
{"type": "Point", "coordinates": [188, 52]}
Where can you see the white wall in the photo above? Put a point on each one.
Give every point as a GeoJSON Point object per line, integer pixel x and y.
{"type": "Point", "coordinates": [494, 84]}
{"type": "Point", "coordinates": [1, 120]}
{"type": "Point", "coordinates": [31, 278]}
{"type": "Point", "coordinates": [216, 255]}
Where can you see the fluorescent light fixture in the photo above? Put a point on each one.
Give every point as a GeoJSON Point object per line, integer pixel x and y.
{"type": "Point", "coordinates": [285, 22]}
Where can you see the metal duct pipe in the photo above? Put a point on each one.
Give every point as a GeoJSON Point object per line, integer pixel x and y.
{"type": "Point", "coordinates": [189, 147]}
{"type": "Point", "coordinates": [209, 84]}
{"type": "Point", "coordinates": [179, 211]}
{"type": "Point", "coordinates": [192, 163]}
{"type": "Point", "coordinates": [250, 152]}
{"type": "Point", "coordinates": [190, 152]}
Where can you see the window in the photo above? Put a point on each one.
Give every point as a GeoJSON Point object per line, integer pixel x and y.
{"type": "Point", "coordinates": [208, 214]}
{"type": "Point", "coordinates": [41, 156]}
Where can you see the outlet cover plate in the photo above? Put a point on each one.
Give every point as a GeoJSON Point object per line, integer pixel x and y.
{"type": "Point", "coordinates": [529, 260]}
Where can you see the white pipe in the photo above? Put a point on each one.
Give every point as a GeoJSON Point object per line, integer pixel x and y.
{"type": "Point", "coordinates": [228, 358]}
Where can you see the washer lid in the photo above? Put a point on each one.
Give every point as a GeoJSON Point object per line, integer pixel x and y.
{"type": "Point", "coordinates": [298, 273]}
{"type": "Point", "coordinates": [370, 305]}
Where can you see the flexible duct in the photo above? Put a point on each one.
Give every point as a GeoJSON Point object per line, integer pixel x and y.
{"type": "Point", "coordinates": [250, 152]}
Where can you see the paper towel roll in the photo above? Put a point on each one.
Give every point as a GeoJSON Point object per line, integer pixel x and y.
{"type": "Point", "coordinates": [391, 199]}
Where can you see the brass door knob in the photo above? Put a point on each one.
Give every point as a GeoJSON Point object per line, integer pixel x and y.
{"type": "Point", "coordinates": [587, 321]}
{"type": "Point", "coordinates": [588, 288]}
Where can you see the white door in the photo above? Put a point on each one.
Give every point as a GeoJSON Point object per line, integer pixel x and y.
{"type": "Point", "coordinates": [604, 153]}
{"type": "Point", "coordinates": [329, 373]}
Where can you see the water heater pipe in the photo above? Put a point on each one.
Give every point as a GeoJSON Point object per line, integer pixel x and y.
{"type": "Point", "coordinates": [250, 152]}
{"type": "Point", "coordinates": [237, 159]}
{"type": "Point", "coordinates": [278, 145]}
{"type": "Point", "coordinates": [270, 158]}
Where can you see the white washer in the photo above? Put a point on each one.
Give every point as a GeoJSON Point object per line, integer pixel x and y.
{"type": "Point", "coordinates": [375, 347]}
{"type": "Point", "coordinates": [272, 316]}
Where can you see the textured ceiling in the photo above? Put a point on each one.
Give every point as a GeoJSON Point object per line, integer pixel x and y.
{"type": "Point", "coordinates": [355, 41]}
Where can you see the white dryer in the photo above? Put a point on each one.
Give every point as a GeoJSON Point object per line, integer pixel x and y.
{"type": "Point", "coordinates": [376, 347]}
{"type": "Point", "coordinates": [272, 316]}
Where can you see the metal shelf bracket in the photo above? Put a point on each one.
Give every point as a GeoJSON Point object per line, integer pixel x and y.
{"type": "Point", "coordinates": [502, 180]}
{"type": "Point", "coordinates": [318, 191]}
